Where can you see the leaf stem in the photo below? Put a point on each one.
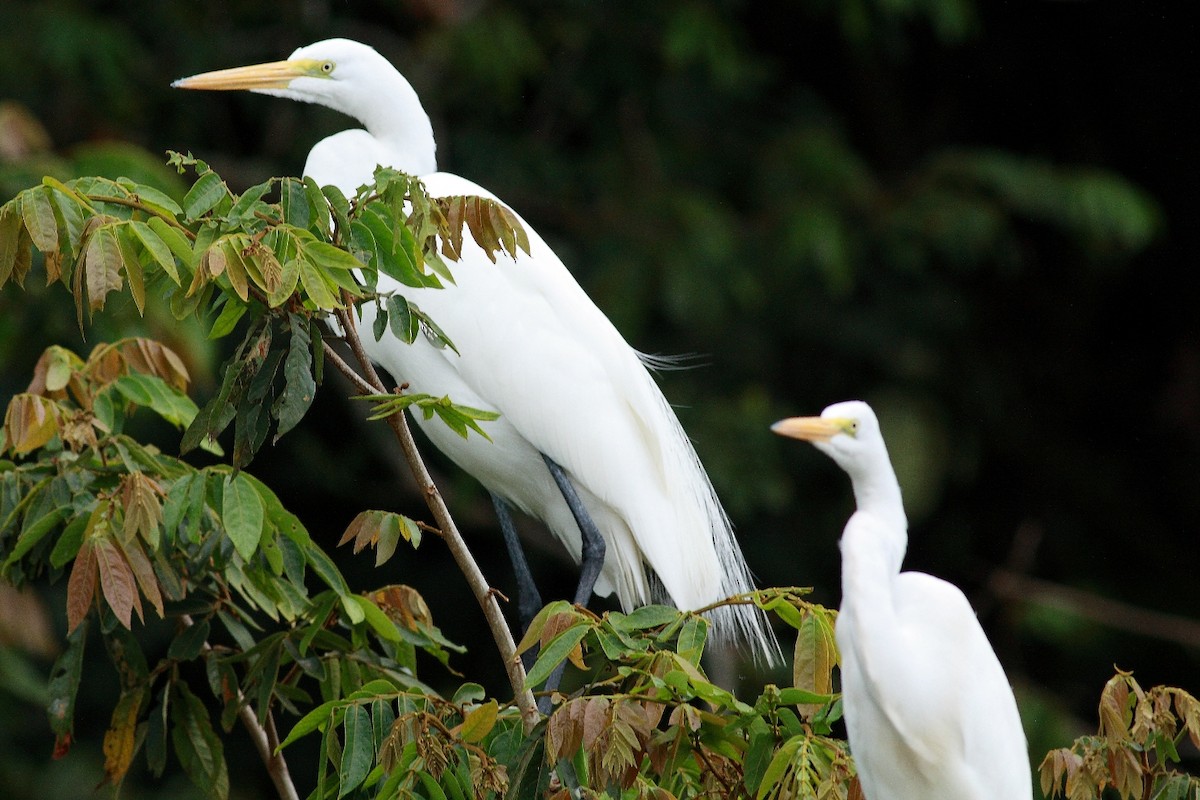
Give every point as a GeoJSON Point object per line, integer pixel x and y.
{"type": "Point", "coordinates": [441, 514]}
{"type": "Point", "coordinates": [125, 201]}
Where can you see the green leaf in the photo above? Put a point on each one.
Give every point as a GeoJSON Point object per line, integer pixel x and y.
{"type": "Point", "coordinates": [31, 534]}
{"type": "Point", "coordinates": [309, 722]}
{"type": "Point", "coordinates": [340, 207]}
{"type": "Point", "coordinates": [38, 215]}
{"type": "Point", "coordinates": [478, 723]}
{"type": "Point", "coordinates": [328, 256]}
{"type": "Point", "coordinates": [132, 267]}
{"type": "Point", "coordinates": [11, 225]}
{"type": "Point", "coordinates": [157, 200]}
{"type": "Point", "coordinates": [815, 656]}
{"type": "Point", "coordinates": [294, 200]}
{"type": "Point", "coordinates": [758, 754]}
{"type": "Point", "coordinates": [555, 652]}
{"type": "Point", "coordinates": [175, 241]}
{"type": "Point", "coordinates": [158, 249]}
{"type": "Point", "coordinates": [779, 764]}
{"type": "Point", "coordinates": [227, 320]}
{"type": "Point", "coordinates": [692, 637]}
{"type": "Point", "coordinates": [205, 194]}
{"type": "Point", "coordinates": [189, 642]}
{"type": "Point", "coordinates": [69, 542]}
{"type": "Point", "coordinates": [242, 513]}
{"type": "Point", "coordinates": [197, 745]}
{"type": "Point", "coordinates": [315, 286]}
{"type": "Point", "coordinates": [325, 569]}
{"type": "Point", "coordinates": [318, 205]}
{"type": "Point", "coordinates": [162, 398]}
{"type": "Point", "coordinates": [358, 751]}
{"type": "Point", "coordinates": [249, 199]}
{"type": "Point", "coordinates": [646, 617]}
{"type": "Point", "coordinates": [405, 325]}
{"type": "Point", "coordinates": [64, 685]}
{"type": "Point", "coordinates": [299, 386]}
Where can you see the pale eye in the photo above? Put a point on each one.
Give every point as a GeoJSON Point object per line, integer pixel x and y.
{"type": "Point", "coordinates": [327, 67]}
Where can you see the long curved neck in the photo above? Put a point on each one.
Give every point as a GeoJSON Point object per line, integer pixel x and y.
{"type": "Point", "coordinates": [397, 118]}
{"type": "Point", "coordinates": [877, 492]}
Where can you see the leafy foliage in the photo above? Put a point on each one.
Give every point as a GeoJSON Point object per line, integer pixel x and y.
{"type": "Point", "coordinates": [1134, 750]}
{"type": "Point", "coordinates": [211, 549]}
{"type": "Point", "coordinates": [227, 257]}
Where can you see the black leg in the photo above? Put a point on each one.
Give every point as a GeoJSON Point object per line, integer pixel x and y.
{"type": "Point", "coordinates": [592, 557]}
{"type": "Point", "coordinates": [529, 600]}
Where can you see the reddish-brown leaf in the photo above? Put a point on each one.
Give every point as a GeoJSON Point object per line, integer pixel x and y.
{"type": "Point", "coordinates": [143, 572]}
{"type": "Point", "coordinates": [595, 719]}
{"type": "Point", "coordinates": [81, 585]}
{"type": "Point", "coordinates": [116, 580]}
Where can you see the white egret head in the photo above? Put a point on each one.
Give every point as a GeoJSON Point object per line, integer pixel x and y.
{"type": "Point", "coordinates": [847, 432]}
{"type": "Point", "coordinates": [338, 73]}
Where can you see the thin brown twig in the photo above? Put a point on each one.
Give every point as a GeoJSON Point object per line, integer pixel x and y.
{"type": "Point", "coordinates": [265, 737]}
{"type": "Point", "coordinates": [441, 514]}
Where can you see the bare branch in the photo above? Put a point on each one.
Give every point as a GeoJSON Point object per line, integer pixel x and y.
{"type": "Point", "coordinates": [441, 515]}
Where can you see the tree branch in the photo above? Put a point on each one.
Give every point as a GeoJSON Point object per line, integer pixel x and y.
{"type": "Point", "coordinates": [441, 514]}
{"type": "Point", "coordinates": [265, 737]}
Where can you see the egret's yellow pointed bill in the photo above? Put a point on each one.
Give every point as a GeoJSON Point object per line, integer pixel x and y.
{"type": "Point", "coordinates": [272, 75]}
{"type": "Point", "coordinates": [810, 429]}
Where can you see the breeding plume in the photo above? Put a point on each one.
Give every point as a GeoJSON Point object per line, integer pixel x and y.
{"type": "Point", "coordinates": [929, 711]}
{"type": "Point", "coordinates": [585, 441]}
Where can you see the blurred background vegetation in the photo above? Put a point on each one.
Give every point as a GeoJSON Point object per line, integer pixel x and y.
{"type": "Point", "coordinates": [970, 214]}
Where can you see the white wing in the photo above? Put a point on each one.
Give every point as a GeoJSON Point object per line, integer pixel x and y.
{"type": "Point", "coordinates": [538, 351]}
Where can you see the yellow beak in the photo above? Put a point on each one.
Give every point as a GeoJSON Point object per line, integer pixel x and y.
{"type": "Point", "coordinates": [810, 429]}
{"type": "Point", "coordinates": [273, 75]}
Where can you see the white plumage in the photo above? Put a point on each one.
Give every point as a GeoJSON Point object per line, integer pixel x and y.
{"type": "Point", "coordinates": [538, 351]}
{"type": "Point", "coordinates": [929, 710]}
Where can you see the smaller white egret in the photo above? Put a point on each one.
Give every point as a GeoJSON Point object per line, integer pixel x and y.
{"type": "Point", "coordinates": [929, 711]}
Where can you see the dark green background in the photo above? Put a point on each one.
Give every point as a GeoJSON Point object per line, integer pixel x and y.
{"type": "Point", "coordinates": [972, 215]}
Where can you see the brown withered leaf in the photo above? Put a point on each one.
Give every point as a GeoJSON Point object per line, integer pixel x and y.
{"type": "Point", "coordinates": [102, 265]}
{"type": "Point", "coordinates": [82, 585]}
{"type": "Point", "coordinates": [30, 422]}
{"type": "Point", "coordinates": [1115, 708]}
{"type": "Point", "coordinates": [141, 499]}
{"type": "Point", "coordinates": [119, 739]}
{"type": "Point", "coordinates": [105, 364]}
{"type": "Point", "coordinates": [78, 430]}
{"type": "Point", "coordinates": [478, 722]}
{"type": "Point", "coordinates": [151, 357]}
{"type": "Point", "coordinates": [403, 606]}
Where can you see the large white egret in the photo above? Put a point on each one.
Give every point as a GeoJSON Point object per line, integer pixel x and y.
{"type": "Point", "coordinates": [580, 415]}
{"type": "Point", "coordinates": [929, 711]}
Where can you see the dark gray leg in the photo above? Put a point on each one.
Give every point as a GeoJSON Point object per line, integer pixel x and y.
{"type": "Point", "coordinates": [529, 600]}
{"type": "Point", "coordinates": [592, 557]}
